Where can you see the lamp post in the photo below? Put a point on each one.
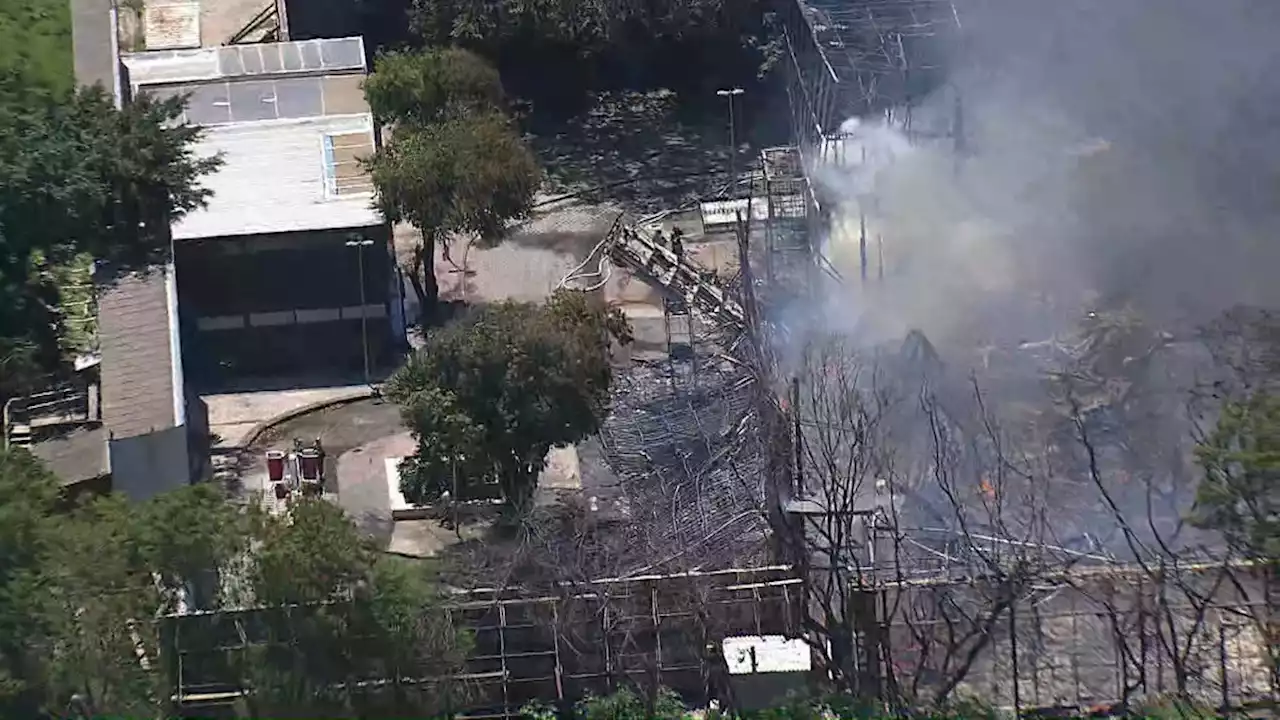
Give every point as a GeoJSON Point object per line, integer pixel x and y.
{"type": "Point", "coordinates": [359, 242]}
{"type": "Point", "coordinates": [729, 95]}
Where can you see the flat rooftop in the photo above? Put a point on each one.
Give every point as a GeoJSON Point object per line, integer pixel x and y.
{"type": "Point", "coordinates": [291, 124]}
{"type": "Point", "coordinates": [286, 176]}
{"type": "Point", "coordinates": [160, 67]}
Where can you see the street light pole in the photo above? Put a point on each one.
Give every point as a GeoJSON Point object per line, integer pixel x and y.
{"type": "Point", "coordinates": [360, 243]}
{"type": "Point", "coordinates": [729, 95]}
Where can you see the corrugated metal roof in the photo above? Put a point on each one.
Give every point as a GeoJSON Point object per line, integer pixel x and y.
{"type": "Point", "coordinates": [93, 42]}
{"type": "Point", "coordinates": [76, 456]}
{"type": "Point", "coordinates": [169, 25]}
{"type": "Point", "coordinates": [221, 102]}
{"type": "Point", "coordinates": [274, 179]}
{"type": "Point", "coordinates": [160, 67]}
{"type": "Point", "coordinates": [139, 392]}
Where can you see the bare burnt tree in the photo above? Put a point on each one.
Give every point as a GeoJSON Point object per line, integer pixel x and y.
{"type": "Point", "coordinates": [1133, 415]}
{"type": "Point", "coordinates": [1244, 343]}
{"type": "Point", "coordinates": [891, 496]}
{"type": "Point", "coordinates": [985, 547]}
{"type": "Point", "coordinates": [843, 468]}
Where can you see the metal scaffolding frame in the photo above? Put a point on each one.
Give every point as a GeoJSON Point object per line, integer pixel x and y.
{"type": "Point", "coordinates": [789, 218]}
{"type": "Point", "coordinates": [556, 646]}
{"type": "Point", "coordinates": [869, 59]}
{"type": "Point", "coordinates": [1086, 637]}
{"type": "Point", "coordinates": [862, 59]}
{"type": "Point", "coordinates": [1082, 638]}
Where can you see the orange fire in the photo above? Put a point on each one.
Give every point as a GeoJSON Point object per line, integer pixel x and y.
{"type": "Point", "coordinates": [987, 489]}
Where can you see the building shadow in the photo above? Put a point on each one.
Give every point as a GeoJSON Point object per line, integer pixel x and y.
{"type": "Point", "coordinates": [304, 380]}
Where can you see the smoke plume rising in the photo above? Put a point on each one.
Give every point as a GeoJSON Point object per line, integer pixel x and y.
{"type": "Point", "coordinates": [1113, 152]}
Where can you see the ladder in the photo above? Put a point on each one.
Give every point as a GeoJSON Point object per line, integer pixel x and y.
{"type": "Point", "coordinates": [679, 277]}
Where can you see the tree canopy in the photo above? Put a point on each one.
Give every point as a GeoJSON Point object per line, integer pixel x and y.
{"type": "Point", "coordinates": [80, 593]}
{"type": "Point", "coordinates": [490, 395]}
{"type": "Point", "coordinates": [468, 174]}
{"type": "Point", "coordinates": [453, 164]}
{"type": "Point", "coordinates": [694, 45]}
{"type": "Point", "coordinates": [35, 42]}
{"type": "Point", "coordinates": [1239, 494]}
{"type": "Point", "coordinates": [425, 87]}
{"type": "Point", "coordinates": [80, 177]}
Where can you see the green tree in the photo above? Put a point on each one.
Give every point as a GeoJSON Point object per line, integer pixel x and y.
{"type": "Point", "coordinates": [454, 162]}
{"type": "Point", "coordinates": [686, 45]}
{"type": "Point", "coordinates": [429, 86]}
{"type": "Point", "coordinates": [490, 395]}
{"type": "Point", "coordinates": [351, 633]}
{"type": "Point", "coordinates": [35, 42]}
{"type": "Point", "coordinates": [313, 554]}
{"type": "Point", "coordinates": [97, 645]}
{"type": "Point", "coordinates": [189, 538]}
{"type": "Point", "coordinates": [106, 570]}
{"type": "Point", "coordinates": [79, 589]}
{"type": "Point", "coordinates": [588, 26]}
{"type": "Point", "coordinates": [28, 497]}
{"type": "Point", "coordinates": [1239, 494]}
{"type": "Point", "coordinates": [80, 177]}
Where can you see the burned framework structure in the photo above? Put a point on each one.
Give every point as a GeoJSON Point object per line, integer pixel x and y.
{"type": "Point", "coordinates": [847, 63]}
{"type": "Point", "coordinates": [937, 584]}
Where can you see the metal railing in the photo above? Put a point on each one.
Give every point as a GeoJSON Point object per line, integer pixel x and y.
{"type": "Point", "coordinates": [61, 405]}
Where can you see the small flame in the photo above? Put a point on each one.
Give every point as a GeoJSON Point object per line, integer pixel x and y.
{"type": "Point", "coordinates": [987, 489]}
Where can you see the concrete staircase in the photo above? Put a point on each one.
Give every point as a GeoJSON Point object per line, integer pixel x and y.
{"type": "Point", "coordinates": [18, 436]}
{"type": "Point", "coordinates": [62, 406]}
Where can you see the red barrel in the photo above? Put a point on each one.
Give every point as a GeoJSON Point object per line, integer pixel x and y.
{"type": "Point", "coordinates": [309, 464]}
{"type": "Point", "coordinates": [275, 465]}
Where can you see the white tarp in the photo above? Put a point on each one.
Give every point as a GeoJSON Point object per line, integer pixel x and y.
{"type": "Point", "coordinates": [766, 654]}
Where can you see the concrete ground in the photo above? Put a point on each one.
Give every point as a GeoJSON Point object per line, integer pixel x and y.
{"type": "Point", "coordinates": [526, 267]}
{"type": "Point", "coordinates": [234, 415]}
{"type": "Point", "coordinates": [358, 438]}
{"type": "Point", "coordinates": [364, 495]}
{"type": "Point", "coordinates": [340, 428]}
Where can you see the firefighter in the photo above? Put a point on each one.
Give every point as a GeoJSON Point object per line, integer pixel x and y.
{"type": "Point", "coordinates": [677, 244]}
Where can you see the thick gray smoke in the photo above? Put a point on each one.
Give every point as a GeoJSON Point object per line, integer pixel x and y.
{"type": "Point", "coordinates": [1116, 152]}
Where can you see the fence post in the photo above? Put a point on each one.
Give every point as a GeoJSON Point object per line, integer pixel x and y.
{"type": "Point", "coordinates": [868, 641]}
{"type": "Point", "coordinates": [1222, 663]}
{"type": "Point", "coordinates": [1013, 654]}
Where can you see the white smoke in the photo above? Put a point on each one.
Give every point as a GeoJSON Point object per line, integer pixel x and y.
{"type": "Point", "coordinates": [1110, 152]}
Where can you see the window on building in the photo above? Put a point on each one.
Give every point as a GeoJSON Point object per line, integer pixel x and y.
{"type": "Point", "coordinates": [343, 173]}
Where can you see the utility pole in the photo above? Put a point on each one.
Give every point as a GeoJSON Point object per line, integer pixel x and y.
{"type": "Point", "coordinates": [729, 95]}
{"type": "Point", "coordinates": [359, 242]}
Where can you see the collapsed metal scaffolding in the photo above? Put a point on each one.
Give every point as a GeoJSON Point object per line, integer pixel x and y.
{"type": "Point", "coordinates": [689, 465]}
